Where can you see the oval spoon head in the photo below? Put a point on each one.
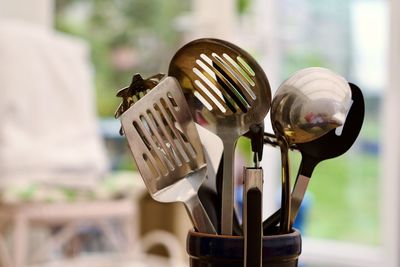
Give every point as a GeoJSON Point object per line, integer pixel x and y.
{"type": "Point", "coordinates": [223, 84]}
{"type": "Point", "coordinates": [332, 145]}
{"type": "Point", "coordinates": [309, 104]}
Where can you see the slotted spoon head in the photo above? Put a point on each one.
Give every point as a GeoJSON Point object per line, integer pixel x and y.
{"type": "Point", "coordinates": [223, 84]}
{"type": "Point", "coordinates": [165, 144]}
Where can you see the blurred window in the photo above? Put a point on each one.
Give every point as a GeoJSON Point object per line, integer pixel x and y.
{"type": "Point", "coordinates": [349, 37]}
{"type": "Point", "coordinates": [339, 35]}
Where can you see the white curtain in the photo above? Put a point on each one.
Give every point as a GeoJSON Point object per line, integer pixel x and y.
{"type": "Point", "coordinates": [48, 130]}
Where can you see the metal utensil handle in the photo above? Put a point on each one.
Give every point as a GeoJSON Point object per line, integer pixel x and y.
{"type": "Point", "coordinates": [237, 229]}
{"type": "Point", "coordinates": [286, 194]}
{"type": "Point", "coordinates": [199, 216]}
{"type": "Point", "coordinates": [252, 216]}
{"type": "Point", "coordinates": [227, 204]}
{"type": "Point", "coordinates": [272, 221]}
{"type": "Point", "coordinates": [298, 193]}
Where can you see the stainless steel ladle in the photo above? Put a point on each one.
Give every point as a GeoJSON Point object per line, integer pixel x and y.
{"type": "Point", "coordinates": [329, 146]}
{"type": "Point", "coordinates": [306, 106]}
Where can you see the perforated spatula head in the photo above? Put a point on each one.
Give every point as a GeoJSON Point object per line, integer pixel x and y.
{"type": "Point", "coordinates": [163, 139]}
{"type": "Point", "coordinates": [167, 149]}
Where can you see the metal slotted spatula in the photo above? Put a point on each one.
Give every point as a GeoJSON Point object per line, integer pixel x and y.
{"type": "Point", "coordinates": [167, 149]}
{"type": "Point", "coordinates": [227, 92]}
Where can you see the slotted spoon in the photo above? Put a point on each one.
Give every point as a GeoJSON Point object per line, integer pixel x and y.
{"type": "Point", "coordinates": [227, 92]}
{"type": "Point", "coordinates": [165, 144]}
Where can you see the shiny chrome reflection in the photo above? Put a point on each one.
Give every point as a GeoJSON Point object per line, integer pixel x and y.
{"type": "Point", "coordinates": [227, 92]}
{"type": "Point", "coordinates": [309, 104]}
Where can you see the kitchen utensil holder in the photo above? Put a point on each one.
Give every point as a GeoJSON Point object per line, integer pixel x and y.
{"type": "Point", "coordinates": [207, 250]}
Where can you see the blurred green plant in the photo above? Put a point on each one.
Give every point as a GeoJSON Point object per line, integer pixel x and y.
{"type": "Point", "coordinates": [125, 37]}
{"type": "Point", "coordinates": [340, 189]}
{"type": "Point", "coordinates": [297, 59]}
{"type": "Point", "coordinates": [243, 6]}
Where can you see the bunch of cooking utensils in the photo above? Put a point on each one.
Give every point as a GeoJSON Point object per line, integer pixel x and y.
{"type": "Point", "coordinates": [216, 89]}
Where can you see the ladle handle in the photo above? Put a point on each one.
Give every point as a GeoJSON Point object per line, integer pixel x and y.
{"type": "Point", "coordinates": [199, 216]}
{"type": "Point", "coordinates": [297, 196]}
{"type": "Point", "coordinates": [298, 193]}
{"type": "Point", "coordinates": [227, 204]}
{"type": "Point", "coordinates": [286, 196]}
{"type": "Point", "coordinates": [306, 169]}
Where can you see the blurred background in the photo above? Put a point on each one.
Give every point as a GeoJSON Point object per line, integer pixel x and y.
{"type": "Point", "coordinates": [76, 191]}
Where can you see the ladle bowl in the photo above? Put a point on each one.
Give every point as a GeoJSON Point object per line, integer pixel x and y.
{"type": "Point", "coordinates": [309, 104]}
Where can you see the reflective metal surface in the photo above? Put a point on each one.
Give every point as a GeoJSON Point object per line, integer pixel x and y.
{"type": "Point", "coordinates": [309, 104]}
{"type": "Point", "coordinates": [306, 106]}
{"type": "Point", "coordinates": [166, 146]}
{"type": "Point", "coordinates": [329, 146]}
{"type": "Point", "coordinates": [137, 89]}
{"type": "Point", "coordinates": [227, 92]}
{"type": "Point", "coordinates": [252, 216]}
{"type": "Point", "coordinates": [286, 201]}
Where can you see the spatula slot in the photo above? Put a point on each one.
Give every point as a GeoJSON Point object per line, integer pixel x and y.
{"type": "Point", "coordinates": [172, 100]}
{"type": "Point", "coordinates": [151, 146]}
{"type": "Point", "coordinates": [165, 147]}
{"type": "Point", "coordinates": [166, 135]}
{"type": "Point", "coordinates": [171, 124]}
{"type": "Point", "coordinates": [153, 171]}
{"type": "Point", "coordinates": [158, 149]}
{"type": "Point", "coordinates": [192, 152]}
{"type": "Point", "coordinates": [141, 134]}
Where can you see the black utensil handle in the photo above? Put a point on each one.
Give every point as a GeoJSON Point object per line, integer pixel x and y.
{"type": "Point", "coordinates": [306, 168]}
{"type": "Point", "coordinates": [252, 216]}
{"type": "Point", "coordinates": [209, 199]}
{"type": "Point", "coordinates": [298, 193]}
{"type": "Point", "coordinates": [256, 135]}
{"type": "Point", "coordinates": [253, 230]}
{"type": "Point", "coordinates": [271, 222]}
